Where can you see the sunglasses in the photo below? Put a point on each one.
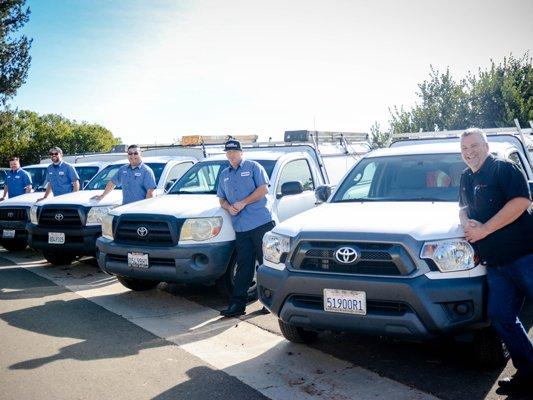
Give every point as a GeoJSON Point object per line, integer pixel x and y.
{"type": "Point", "coordinates": [133, 153]}
{"type": "Point", "coordinates": [54, 154]}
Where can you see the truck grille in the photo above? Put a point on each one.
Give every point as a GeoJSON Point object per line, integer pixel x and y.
{"type": "Point", "coordinates": [13, 214]}
{"type": "Point", "coordinates": [155, 231]}
{"type": "Point", "coordinates": [60, 217]}
{"type": "Point", "coordinates": [372, 258]}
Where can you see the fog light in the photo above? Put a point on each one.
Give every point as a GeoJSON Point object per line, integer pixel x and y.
{"type": "Point", "coordinates": [461, 308]}
{"type": "Point", "coordinates": [200, 260]}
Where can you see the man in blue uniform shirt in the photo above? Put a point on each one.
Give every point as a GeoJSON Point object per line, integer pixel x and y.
{"type": "Point", "coordinates": [136, 179]}
{"type": "Point", "coordinates": [18, 181]}
{"type": "Point", "coordinates": [497, 218]}
{"type": "Point", "coordinates": [61, 177]}
{"type": "Point", "coordinates": [242, 191]}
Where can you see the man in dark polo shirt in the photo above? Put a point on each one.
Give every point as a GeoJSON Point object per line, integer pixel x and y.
{"type": "Point", "coordinates": [242, 191]}
{"type": "Point", "coordinates": [497, 218]}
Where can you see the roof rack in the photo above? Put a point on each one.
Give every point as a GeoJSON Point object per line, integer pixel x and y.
{"type": "Point", "coordinates": [457, 133]}
{"type": "Point", "coordinates": [198, 140]}
{"type": "Point", "coordinates": [324, 136]}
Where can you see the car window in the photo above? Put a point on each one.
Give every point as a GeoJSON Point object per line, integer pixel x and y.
{"type": "Point", "coordinates": [296, 170]}
{"type": "Point", "coordinates": [38, 176]}
{"type": "Point", "coordinates": [515, 157]}
{"type": "Point", "coordinates": [176, 172]}
{"type": "Point", "coordinates": [86, 173]}
{"type": "Point", "coordinates": [427, 177]}
{"type": "Point", "coordinates": [100, 180]}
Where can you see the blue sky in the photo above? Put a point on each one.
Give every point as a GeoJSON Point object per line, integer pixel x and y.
{"type": "Point", "coordinates": [152, 71]}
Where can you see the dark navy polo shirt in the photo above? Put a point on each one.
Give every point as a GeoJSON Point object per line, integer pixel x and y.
{"type": "Point", "coordinates": [135, 182]}
{"type": "Point", "coordinates": [484, 193]}
{"type": "Point", "coordinates": [61, 177]}
{"type": "Point", "coordinates": [16, 182]}
{"type": "Point", "coordinates": [235, 184]}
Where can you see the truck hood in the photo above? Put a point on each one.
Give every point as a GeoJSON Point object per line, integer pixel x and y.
{"type": "Point", "coordinates": [180, 206]}
{"type": "Point", "coordinates": [24, 200]}
{"type": "Point", "coordinates": [420, 220]}
{"type": "Point", "coordinates": [83, 198]}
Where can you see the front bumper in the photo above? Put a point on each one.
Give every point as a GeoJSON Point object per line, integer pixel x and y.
{"type": "Point", "coordinates": [21, 234]}
{"type": "Point", "coordinates": [80, 240]}
{"type": "Point", "coordinates": [416, 308]}
{"type": "Point", "coordinates": [199, 263]}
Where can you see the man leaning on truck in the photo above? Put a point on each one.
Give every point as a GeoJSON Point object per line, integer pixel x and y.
{"type": "Point", "coordinates": [496, 217]}
{"type": "Point", "coordinates": [18, 181]}
{"type": "Point", "coordinates": [61, 177]}
{"type": "Point", "coordinates": [136, 179]}
{"type": "Point", "coordinates": [242, 190]}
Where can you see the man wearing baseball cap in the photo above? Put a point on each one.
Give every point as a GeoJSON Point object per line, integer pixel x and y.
{"type": "Point", "coordinates": [242, 191]}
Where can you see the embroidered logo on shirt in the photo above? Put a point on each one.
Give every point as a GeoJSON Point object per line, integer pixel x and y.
{"type": "Point", "coordinates": [137, 174]}
{"type": "Point", "coordinates": [226, 179]}
{"type": "Point", "coordinates": [245, 173]}
{"type": "Point", "coordinates": [61, 173]}
{"type": "Point", "coordinates": [17, 177]}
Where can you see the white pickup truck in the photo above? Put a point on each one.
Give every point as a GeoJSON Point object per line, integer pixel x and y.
{"type": "Point", "coordinates": [386, 255]}
{"type": "Point", "coordinates": [67, 226]}
{"type": "Point", "coordinates": [185, 236]}
{"type": "Point", "coordinates": [14, 213]}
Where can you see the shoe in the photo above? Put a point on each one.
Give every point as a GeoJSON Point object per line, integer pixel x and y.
{"type": "Point", "coordinates": [515, 384]}
{"type": "Point", "coordinates": [234, 310]}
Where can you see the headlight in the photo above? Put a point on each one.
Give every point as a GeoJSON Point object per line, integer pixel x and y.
{"type": "Point", "coordinates": [97, 213]}
{"type": "Point", "coordinates": [274, 246]}
{"type": "Point", "coordinates": [107, 226]}
{"type": "Point", "coordinates": [449, 255]}
{"type": "Point", "coordinates": [200, 229]}
{"type": "Point", "coordinates": [33, 214]}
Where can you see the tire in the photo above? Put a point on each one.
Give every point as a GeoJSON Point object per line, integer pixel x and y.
{"type": "Point", "coordinates": [138, 285]}
{"type": "Point", "coordinates": [14, 245]}
{"type": "Point", "coordinates": [226, 282]}
{"type": "Point", "coordinates": [296, 334]}
{"type": "Point", "coordinates": [59, 259]}
{"type": "Point", "coordinates": [488, 349]}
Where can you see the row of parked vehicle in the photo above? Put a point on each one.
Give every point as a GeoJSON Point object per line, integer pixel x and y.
{"type": "Point", "coordinates": [383, 253]}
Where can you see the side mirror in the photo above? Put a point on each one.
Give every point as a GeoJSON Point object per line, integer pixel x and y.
{"type": "Point", "coordinates": [322, 193]}
{"type": "Point", "coordinates": [292, 187]}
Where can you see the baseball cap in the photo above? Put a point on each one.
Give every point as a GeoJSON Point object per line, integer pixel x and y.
{"type": "Point", "coordinates": [232, 144]}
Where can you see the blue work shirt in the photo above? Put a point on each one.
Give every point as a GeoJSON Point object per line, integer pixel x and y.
{"type": "Point", "coordinates": [16, 182]}
{"type": "Point", "coordinates": [135, 182]}
{"type": "Point", "coordinates": [61, 177]}
{"type": "Point", "coordinates": [235, 184]}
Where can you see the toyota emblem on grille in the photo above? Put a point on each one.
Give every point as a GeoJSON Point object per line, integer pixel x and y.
{"type": "Point", "coordinates": [10, 215]}
{"type": "Point", "coordinates": [346, 255]}
{"type": "Point", "coordinates": [142, 231]}
{"type": "Point", "coordinates": [59, 217]}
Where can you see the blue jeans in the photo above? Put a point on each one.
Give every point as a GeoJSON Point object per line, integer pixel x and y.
{"type": "Point", "coordinates": [509, 285]}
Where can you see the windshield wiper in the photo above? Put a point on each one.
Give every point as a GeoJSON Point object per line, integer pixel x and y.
{"type": "Point", "coordinates": [421, 198]}
{"type": "Point", "coordinates": [357, 200]}
{"type": "Point", "coordinates": [189, 192]}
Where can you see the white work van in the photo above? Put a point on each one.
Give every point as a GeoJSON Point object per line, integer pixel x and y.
{"type": "Point", "coordinates": [67, 226]}
{"type": "Point", "coordinates": [185, 236]}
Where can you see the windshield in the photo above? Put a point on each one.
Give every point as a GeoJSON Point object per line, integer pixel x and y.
{"type": "Point", "coordinates": [2, 178]}
{"type": "Point", "coordinates": [86, 173]}
{"type": "Point", "coordinates": [100, 180]}
{"type": "Point", "coordinates": [202, 178]}
{"type": "Point", "coordinates": [38, 175]}
{"type": "Point", "coordinates": [428, 177]}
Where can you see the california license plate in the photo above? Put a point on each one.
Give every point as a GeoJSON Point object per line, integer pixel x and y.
{"type": "Point", "coordinates": [56, 238]}
{"type": "Point", "coordinates": [138, 260]}
{"type": "Point", "coordinates": [8, 233]}
{"type": "Point", "coordinates": [345, 301]}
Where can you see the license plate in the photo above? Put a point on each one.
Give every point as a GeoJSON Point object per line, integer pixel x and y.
{"type": "Point", "coordinates": [8, 233]}
{"type": "Point", "coordinates": [345, 301]}
{"type": "Point", "coordinates": [56, 238]}
{"type": "Point", "coordinates": [138, 260]}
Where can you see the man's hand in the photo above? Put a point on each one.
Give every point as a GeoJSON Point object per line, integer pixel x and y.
{"type": "Point", "coordinates": [97, 197]}
{"type": "Point", "coordinates": [42, 198]}
{"type": "Point", "coordinates": [475, 231]}
{"type": "Point", "coordinates": [2, 198]}
{"type": "Point", "coordinates": [232, 210]}
{"type": "Point", "coordinates": [239, 205]}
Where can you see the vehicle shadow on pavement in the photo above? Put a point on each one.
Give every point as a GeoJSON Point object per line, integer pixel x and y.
{"type": "Point", "coordinates": [207, 383]}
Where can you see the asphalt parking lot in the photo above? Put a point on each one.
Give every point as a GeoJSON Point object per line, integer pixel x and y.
{"type": "Point", "coordinates": [210, 356]}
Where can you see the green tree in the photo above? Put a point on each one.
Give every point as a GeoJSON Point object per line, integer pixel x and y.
{"type": "Point", "coordinates": [490, 99]}
{"type": "Point", "coordinates": [30, 135]}
{"type": "Point", "coordinates": [379, 138]}
{"type": "Point", "coordinates": [14, 51]}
